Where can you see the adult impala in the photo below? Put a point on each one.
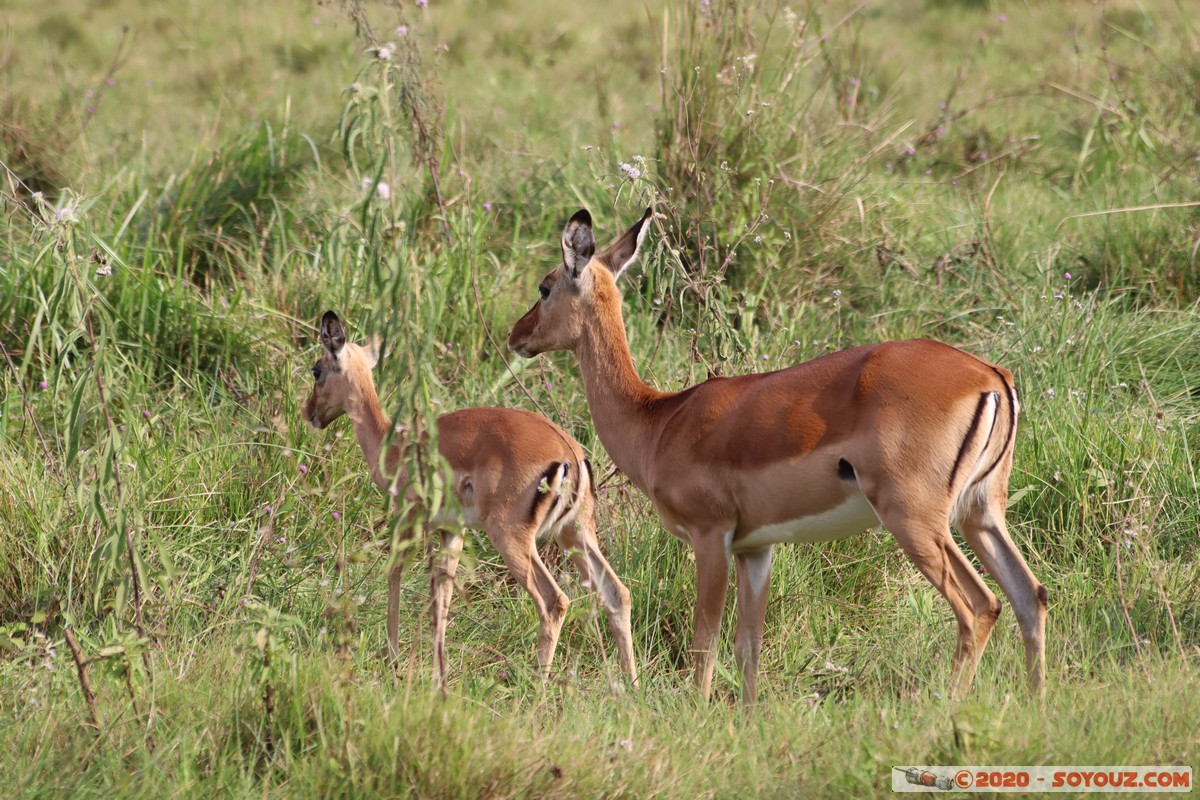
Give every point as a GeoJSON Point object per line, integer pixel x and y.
{"type": "Point", "coordinates": [516, 475]}
{"type": "Point", "coordinates": [911, 434]}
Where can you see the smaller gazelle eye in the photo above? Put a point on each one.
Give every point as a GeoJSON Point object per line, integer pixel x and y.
{"type": "Point", "coordinates": [316, 373]}
{"type": "Point", "coordinates": [544, 291]}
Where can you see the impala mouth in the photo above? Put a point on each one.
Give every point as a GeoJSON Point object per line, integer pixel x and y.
{"type": "Point", "coordinates": [315, 422]}
{"type": "Point", "coordinates": [521, 350]}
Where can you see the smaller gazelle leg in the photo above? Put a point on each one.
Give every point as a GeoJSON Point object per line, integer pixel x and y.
{"type": "Point", "coordinates": [402, 543]}
{"type": "Point", "coordinates": [579, 540]}
{"type": "Point", "coordinates": [753, 588]}
{"type": "Point", "coordinates": [395, 574]}
{"type": "Point", "coordinates": [441, 592]}
{"type": "Point", "coordinates": [521, 557]}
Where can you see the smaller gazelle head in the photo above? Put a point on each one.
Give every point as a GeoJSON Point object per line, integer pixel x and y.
{"type": "Point", "coordinates": [566, 305]}
{"type": "Point", "coordinates": [342, 375]}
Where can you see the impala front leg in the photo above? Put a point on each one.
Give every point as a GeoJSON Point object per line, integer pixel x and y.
{"type": "Point", "coordinates": [712, 581]}
{"type": "Point", "coordinates": [753, 588]}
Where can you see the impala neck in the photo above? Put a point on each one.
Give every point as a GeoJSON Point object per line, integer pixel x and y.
{"type": "Point", "coordinates": [621, 404]}
{"type": "Point", "coordinates": [370, 428]}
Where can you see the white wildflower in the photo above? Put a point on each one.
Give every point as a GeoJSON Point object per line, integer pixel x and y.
{"type": "Point", "coordinates": [66, 213]}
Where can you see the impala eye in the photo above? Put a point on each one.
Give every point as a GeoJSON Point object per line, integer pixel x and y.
{"type": "Point", "coordinates": [544, 291]}
{"type": "Point", "coordinates": [316, 373]}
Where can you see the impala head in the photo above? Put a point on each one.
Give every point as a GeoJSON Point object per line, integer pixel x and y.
{"type": "Point", "coordinates": [342, 375]}
{"type": "Point", "coordinates": [559, 317]}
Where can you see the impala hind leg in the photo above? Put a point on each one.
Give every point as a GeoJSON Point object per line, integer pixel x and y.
{"type": "Point", "coordinates": [753, 587]}
{"type": "Point", "coordinates": [521, 557]}
{"type": "Point", "coordinates": [441, 591]}
{"type": "Point", "coordinates": [930, 546]}
{"type": "Point", "coordinates": [712, 582]}
{"type": "Point", "coordinates": [579, 539]}
{"type": "Point", "coordinates": [985, 530]}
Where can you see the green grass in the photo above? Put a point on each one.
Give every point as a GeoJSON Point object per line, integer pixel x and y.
{"type": "Point", "coordinates": [229, 179]}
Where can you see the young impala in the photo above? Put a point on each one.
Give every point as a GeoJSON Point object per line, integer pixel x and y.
{"type": "Point", "coordinates": [516, 475]}
{"type": "Point", "coordinates": [911, 434]}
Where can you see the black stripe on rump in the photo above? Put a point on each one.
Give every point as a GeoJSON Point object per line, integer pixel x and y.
{"type": "Point", "coordinates": [564, 505]}
{"type": "Point", "coordinates": [591, 475]}
{"type": "Point", "coordinates": [969, 439]}
{"type": "Point", "coordinates": [547, 490]}
{"type": "Point", "coordinates": [1009, 392]}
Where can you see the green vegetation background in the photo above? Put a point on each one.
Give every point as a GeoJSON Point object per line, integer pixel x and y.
{"type": "Point", "coordinates": [187, 186]}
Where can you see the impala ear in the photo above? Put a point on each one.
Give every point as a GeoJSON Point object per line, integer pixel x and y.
{"type": "Point", "coordinates": [624, 251]}
{"type": "Point", "coordinates": [578, 243]}
{"type": "Point", "coordinates": [371, 349]}
{"type": "Point", "coordinates": [333, 335]}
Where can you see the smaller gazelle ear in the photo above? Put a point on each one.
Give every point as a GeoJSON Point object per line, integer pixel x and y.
{"type": "Point", "coordinates": [371, 349]}
{"type": "Point", "coordinates": [578, 243]}
{"type": "Point", "coordinates": [333, 335]}
{"type": "Point", "coordinates": [619, 255]}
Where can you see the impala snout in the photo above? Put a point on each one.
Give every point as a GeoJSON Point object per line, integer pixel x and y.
{"type": "Point", "coordinates": [321, 418]}
{"type": "Point", "coordinates": [309, 412]}
{"type": "Point", "coordinates": [520, 349]}
{"type": "Point", "coordinates": [518, 337]}
{"type": "Point", "coordinates": [317, 413]}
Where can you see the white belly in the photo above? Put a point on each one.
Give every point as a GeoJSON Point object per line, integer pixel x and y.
{"type": "Point", "coordinates": [453, 516]}
{"type": "Point", "coordinates": [852, 516]}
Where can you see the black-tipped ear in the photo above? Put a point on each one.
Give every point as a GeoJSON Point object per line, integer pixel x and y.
{"type": "Point", "coordinates": [333, 335]}
{"type": "Point", "coordinates": [578, 243]}
{"type": "Point", "coordinates": [619, 255]}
